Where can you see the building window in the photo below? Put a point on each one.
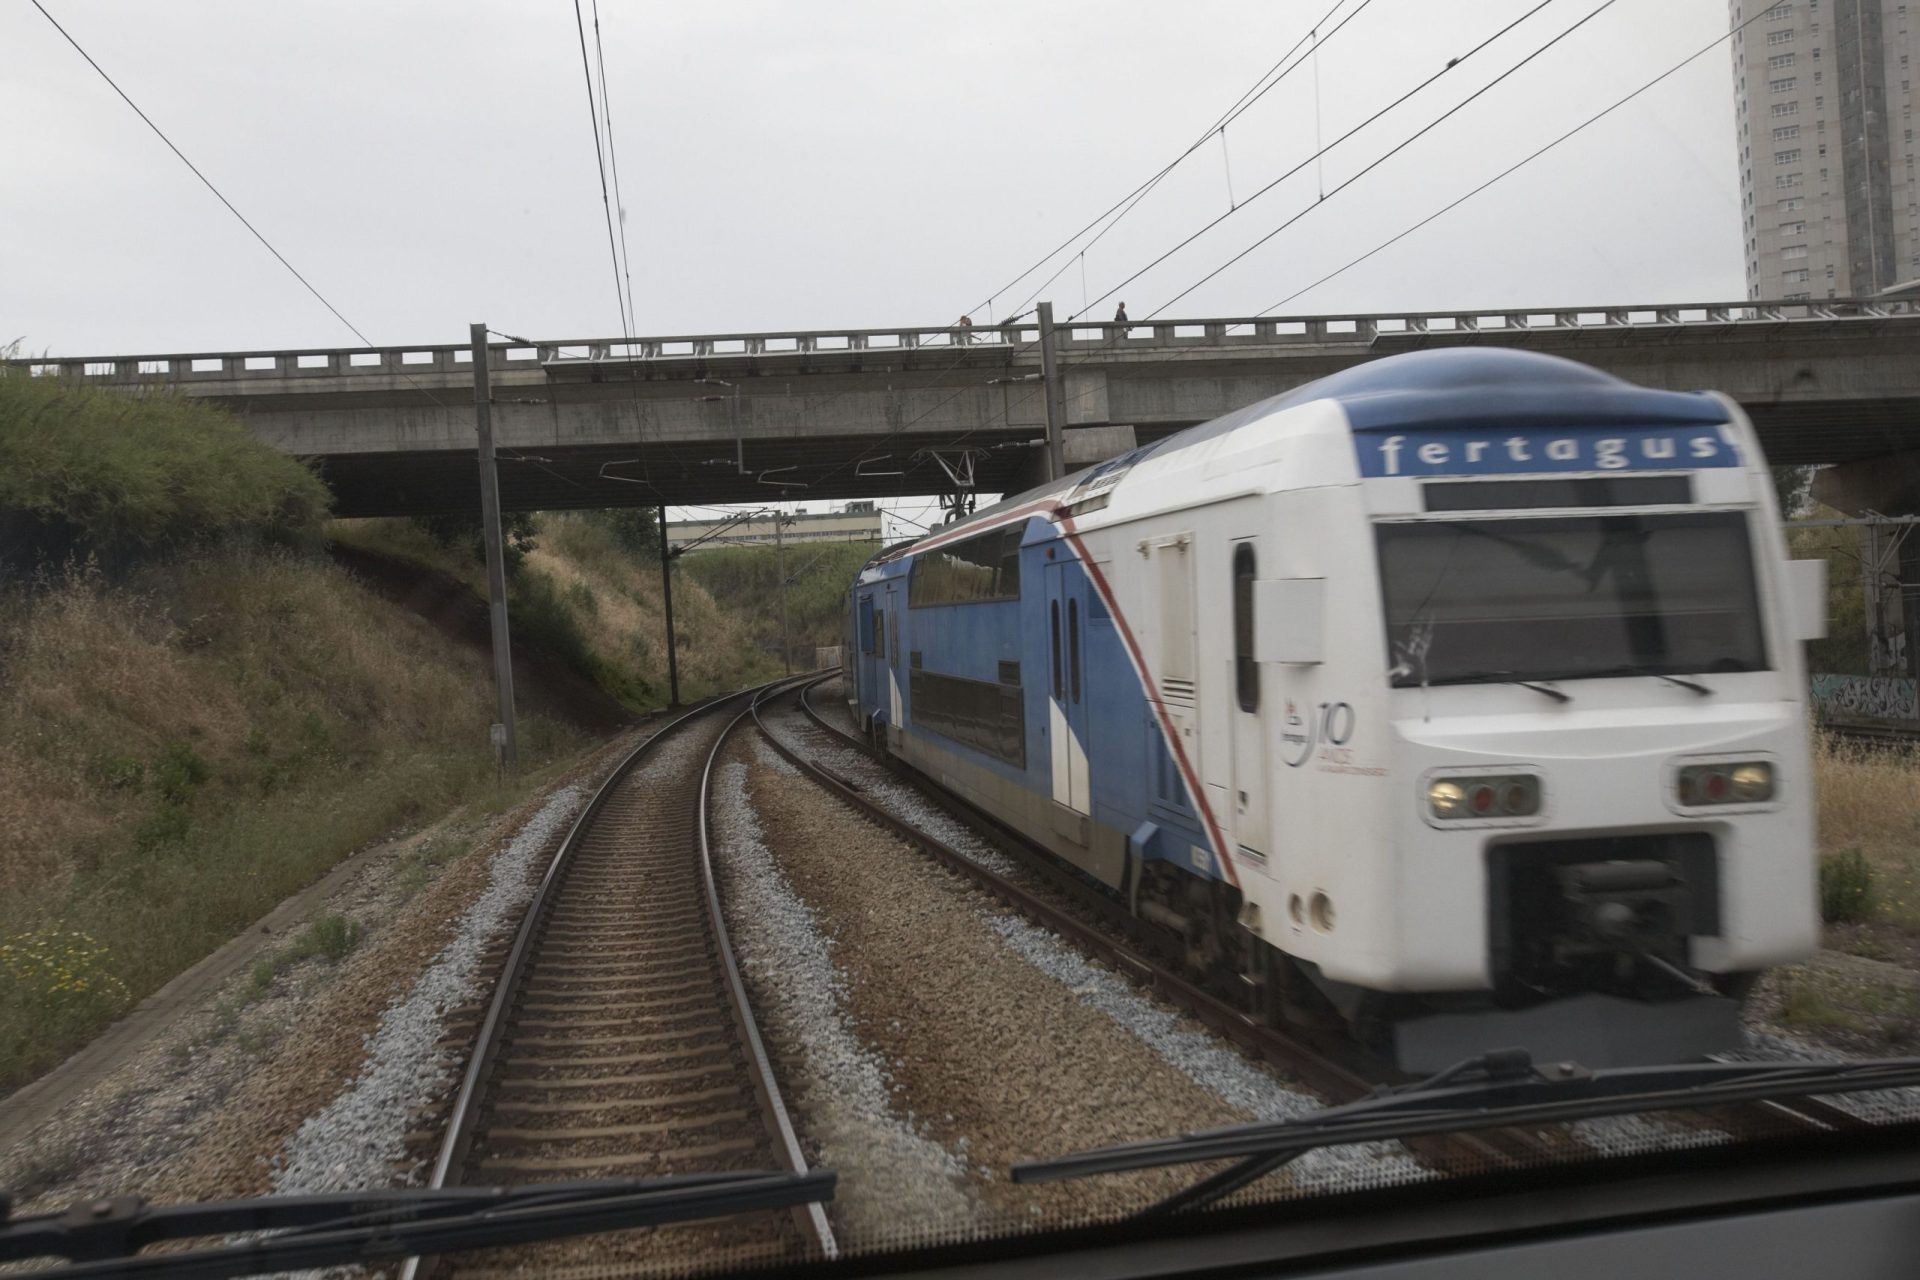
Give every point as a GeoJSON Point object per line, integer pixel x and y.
{"type": "Point", "coordinates": [1784, 109]}
{"type": "Point", "coordinates": [1792, 204]}
{"type": "Point", "coordinates": [1781, 181]}
{"type": "Point", "coordinates": [1779, 61]}
{"type": "Point", "coordinates": [1787, 157]}
{"type": "Point", "coordinates": [1784, 85]}
{"type": "Point", "coordinates": [1792, 131]}
{"type": "Point", "coordinates": [1795, 277]}
{"type": "Point", "coordinates": [1781, 11]}
{"type": "Point", "coordinates": [1780, 37]}
{"type": "Point", "coordinates": [1796, 297]}
{"type": "Point", "coordinates": [1793, 228]}
{"type": "Point", "coordinates": [1793, 251]}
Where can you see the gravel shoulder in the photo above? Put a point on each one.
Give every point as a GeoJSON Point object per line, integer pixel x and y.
{"type": "Point", "coordinates": [204, 1102]}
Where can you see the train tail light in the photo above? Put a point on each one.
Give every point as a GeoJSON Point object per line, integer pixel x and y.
{"type": "Point", "coordinates": [1498, 796]}
{"type": "Point", "coordinates": [1748, 782]}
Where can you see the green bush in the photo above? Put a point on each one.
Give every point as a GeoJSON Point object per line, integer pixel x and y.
{"type": "Point", "coordinates": [1846, 887]}
{"type": "Point", "coordinates": [84, 470]}
{"type": "Point", "coordinates": [179, 773]}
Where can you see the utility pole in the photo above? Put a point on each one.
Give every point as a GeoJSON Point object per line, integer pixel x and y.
{"type": "Point", "coordinates": [780, 557]}
{"type": "Point", "coordinates": [496, 561]}
{"type": "Point", "coordinates": [666, 594]}
{"type": "Point", "coordinates": [1056, 397]}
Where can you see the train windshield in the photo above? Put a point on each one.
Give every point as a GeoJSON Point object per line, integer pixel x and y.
{"type": "Point", "coordinates": [1562, 597]}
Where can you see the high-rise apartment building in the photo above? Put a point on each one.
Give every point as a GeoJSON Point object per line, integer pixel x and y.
{"type": "Point", "coordinates": [1824, 99]}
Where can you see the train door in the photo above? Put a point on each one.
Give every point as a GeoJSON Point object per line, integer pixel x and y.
{"type": "Point", "coordinates": [890, 665]}
{"type": "Point", "coordinates": [865, 660]}
{"type": "Point", "coordinates": [1067, 697]}
{"type": "Point", "coordinates": [1251, 831]}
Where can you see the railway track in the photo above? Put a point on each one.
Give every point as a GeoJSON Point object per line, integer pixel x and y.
{"type": "Point", "coordinates": [1105, 931]}
{"type": "Point", "coordinates": [619, 1041]}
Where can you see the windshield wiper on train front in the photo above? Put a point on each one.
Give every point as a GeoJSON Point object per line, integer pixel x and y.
{"type": "Point", "coordinates": [1635, 670]}
{"type": "Point", "coordinates": [1496, 1090]}
{"type": "Point", "coordinates": [102, 1236]}
{"type": "Point", "coordinates": [1508, 677]}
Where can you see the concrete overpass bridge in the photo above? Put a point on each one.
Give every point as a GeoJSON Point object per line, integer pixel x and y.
{"type": "Point", "coordinates": [832, 414]}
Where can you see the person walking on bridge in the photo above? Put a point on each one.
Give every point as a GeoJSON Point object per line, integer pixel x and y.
{"type": "Point", "coordinates": [1120, 315]}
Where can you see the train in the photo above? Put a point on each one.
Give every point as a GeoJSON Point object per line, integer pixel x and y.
{"type": "Point", "coordinates": [1454, 701]}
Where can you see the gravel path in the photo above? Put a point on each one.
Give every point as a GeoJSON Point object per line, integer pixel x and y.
{"type": "Point", "coordinates": [357, 1138]}
{"type": "Point", "coordinates": [839, 1090]}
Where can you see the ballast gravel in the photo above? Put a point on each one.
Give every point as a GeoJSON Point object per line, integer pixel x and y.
{"type": "Point", "coordinates": [839, 1089]}
{"type": "Point", "coordinates": [356, 1139]}
{"type": "Point", "coordinates": [885, 790]}
{"type": "Point", "coordinates": [999, 1042]}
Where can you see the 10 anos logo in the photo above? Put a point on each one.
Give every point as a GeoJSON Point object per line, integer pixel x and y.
{"type": "Point", "coordinates": [1330, 723]}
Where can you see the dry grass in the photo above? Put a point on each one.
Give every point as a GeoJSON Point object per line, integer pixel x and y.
{"type": "Point", "coordinates": [180, 752]}
{"type": "Point", "coordinates": [1869, 800]}
{"type": "Point", "coordinates": [616, 600]}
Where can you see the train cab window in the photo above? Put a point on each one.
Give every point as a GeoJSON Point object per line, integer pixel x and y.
{"type": "Point", "coordinates": [1246, 672]}
{"type": "Point", "coordinates": [1073, 645]}
{"type": "Point", "coordinates": [1058, 692]}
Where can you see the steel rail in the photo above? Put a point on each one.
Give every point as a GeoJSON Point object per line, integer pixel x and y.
{"type": "Point", "coordinates": [1456, 1153]}
{"type": "Point", "coordinates": [463, 1118]}
{"type": "Point", "coordinates": [811, 1218]}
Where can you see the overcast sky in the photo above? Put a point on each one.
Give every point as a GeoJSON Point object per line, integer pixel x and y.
{"type": "Point", "coordinates": [832, 164]}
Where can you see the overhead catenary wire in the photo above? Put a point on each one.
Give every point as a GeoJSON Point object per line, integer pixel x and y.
{"type": "Point", "coordinates": [1392, 152]}
{"type": "Point", "coordinates": [613, 158]}
{"type": "Point", "coordinates": [1214, 222]}
{"type": "Point", "coordinates": [1595, 118]}
{"type": "Point", "coordinates": [206, 181]}
{"type": "Point", "coordinates": [1260, 88]}
{"type": "Point", "coordinates": [600, 162]}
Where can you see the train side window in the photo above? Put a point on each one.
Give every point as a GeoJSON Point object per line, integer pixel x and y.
{"type": "Point", "coordinates": [1246, 672]}
{"type": "Point", "coordinates": [1073, 645]}
{"type": "Point", "coordinates": [1058, 692]}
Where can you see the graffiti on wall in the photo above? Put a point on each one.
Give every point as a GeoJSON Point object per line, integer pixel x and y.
{"type": "Point", "coordinates": [1866, 697]}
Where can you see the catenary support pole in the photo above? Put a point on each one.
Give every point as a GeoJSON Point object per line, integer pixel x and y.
{"type": "Point", "coordinates": [666, 595]}
{"type": "Point", "coordinates": [490, 529]}
{"type": "Point", "coordinates": [1056, 396]}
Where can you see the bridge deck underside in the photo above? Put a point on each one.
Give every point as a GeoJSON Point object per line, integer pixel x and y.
{"type": "Point", "coordinates": [674, 473]}
{"type": "Point", "coordinates": [841, 466]}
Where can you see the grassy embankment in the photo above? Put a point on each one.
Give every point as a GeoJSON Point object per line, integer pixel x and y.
{"type": "Point", "coordinates": [589, 591]}
{"type": "Point", "coordinates": [198, 712]}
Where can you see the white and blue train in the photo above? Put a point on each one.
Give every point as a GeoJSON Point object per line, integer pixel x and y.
{"type": "Point", "coordinates": [1456, 697]}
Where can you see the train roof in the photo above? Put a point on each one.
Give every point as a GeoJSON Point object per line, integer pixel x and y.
{"type": "Point", "coordinates": [1442, 389]}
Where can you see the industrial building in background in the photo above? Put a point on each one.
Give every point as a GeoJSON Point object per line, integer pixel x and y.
{"type": "Point", "coordinates": [1823, 95]}
{"type": "Point", "coordinates": [856, 522]}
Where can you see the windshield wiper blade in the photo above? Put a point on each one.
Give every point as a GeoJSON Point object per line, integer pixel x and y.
{"type": "Point", "coordinates": [103, 1236]}
{"type": "Point", "coordinates": [1630, 670]}
{"type": "Point", "coordinates": [1494, 1091]}
{"type": "Point", "coordinates": [1508, 677]}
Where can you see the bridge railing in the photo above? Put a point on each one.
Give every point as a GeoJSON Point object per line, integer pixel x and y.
{"type": "Point", "coordinates": [559, 356]}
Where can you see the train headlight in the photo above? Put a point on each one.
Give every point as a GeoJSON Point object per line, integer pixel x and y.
{"type": "Point", "coordinates": [1447, 799]}
{"type": "Point", "coordinates": [1750, 782]}
{"type": "Point", "coordinates": [1502, 796]}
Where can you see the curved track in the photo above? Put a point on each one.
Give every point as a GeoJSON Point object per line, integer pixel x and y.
{"type": "Point", "coordinates": [619, 1041]}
